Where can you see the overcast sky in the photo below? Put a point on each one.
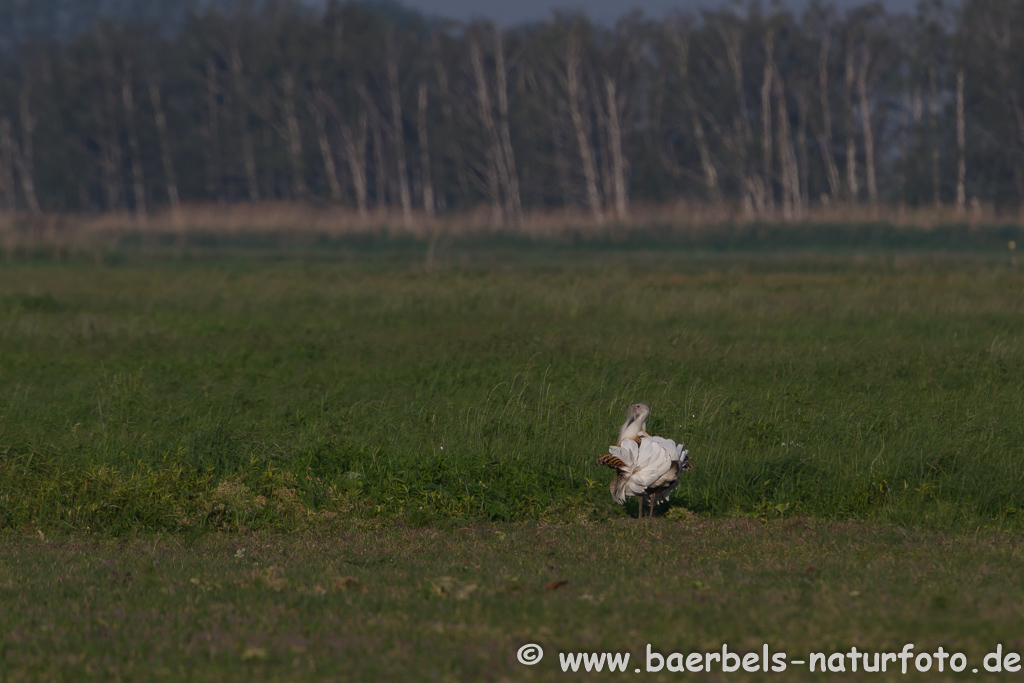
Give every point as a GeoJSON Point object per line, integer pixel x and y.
{"type": "Point", "coordinates": [507, 12]}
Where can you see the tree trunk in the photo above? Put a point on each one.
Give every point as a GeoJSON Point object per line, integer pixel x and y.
{"type": "Point", "coordinates": [706, 162]}
{"type": "Point", "coordinates": [851, 149]}
{"type": "Point", "coordinates": [248, 154]}
{"type": "Point", "coordinates": [26, 159]}
{"type": "Point", "coordinates": [106, 112]}
{"type": "Point", "coordinates": [165, 151]}
{"type": "Point", "coordinates": [249, 160]}
{"type": "Point", "coordinates": [461, 176]}
{"type": "Point", "coordinates": [380, 170]}
{"type": "Point", "coordinates": [494, 188]}
{"type": "Point", "coordinates": [602, 146]}
{"type": "Point", "coordinates": [865, 122]}
{"type": "Point", "coordinates": [109, 160]}
{"type": "Point", "coordinates": [398, 136]}
{"type": "Point", "coordinates": [801, 140]}
{"type": "Point", "coordinates": [766, 120]}
{"type": "Point", "coordinates": [428, 183]}
{"type": "Point", "coordinates": [7, 190]}
{"type": "Point", "coordinates": [293, 135]}
{"type": "Point", "coordinates": [355, 153]}
{"type": "Point", "coordinates": [961, 146]}
{"type": "Point", "coordinates": [573, 87]}
{"type": "Point", "coordinates": [210, 133]}
{"type": "Point", "coordinates": [906, 143]}
{"type": "Point", "coordinates": [933, 124]}
{"type": "Point", "coordinates": [750, 186]}
{"type": "Point", "coordinates": [787, 156]}
{"type": "Point", "coordinates": [315, 104]}
{"type": "Point", "coordinates": [513, 203]}
{"type": "Point", "coordinates": [825, 137]}
{"type": "Point", "coordinates": [562, 166]}
{"type": "Point", "coordinates": [1018, 113]}
{"type": "Point", "coordinates": [138, 177]}
{"type": "Point", "coordinates": [497, 169]}
{"type": "Point", "coordinates": [615, 142]}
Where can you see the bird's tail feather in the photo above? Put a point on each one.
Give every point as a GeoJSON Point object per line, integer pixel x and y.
{"type": "Point", "coordinates": [619, 488]}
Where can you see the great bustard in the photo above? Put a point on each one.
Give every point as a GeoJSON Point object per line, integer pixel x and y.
{"type": "Point", "coordinates": [646, 466]}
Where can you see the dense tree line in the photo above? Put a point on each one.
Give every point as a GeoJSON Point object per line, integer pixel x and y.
{"type": "Point", "coordinates": [361, 106]}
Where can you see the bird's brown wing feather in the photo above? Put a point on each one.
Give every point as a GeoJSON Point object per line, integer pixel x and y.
{"type": "Point", "coordinates": [611, 461]}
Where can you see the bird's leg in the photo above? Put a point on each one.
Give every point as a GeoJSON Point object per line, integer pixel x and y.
{"type": "Point", "coordinates": [640, 502]}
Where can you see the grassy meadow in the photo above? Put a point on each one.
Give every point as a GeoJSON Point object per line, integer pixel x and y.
{"type": "Point", "coordinates": [386, 602]}
{"type": "Point", "coordinates": [359, 466]}
{"type": "Point", "coordinates": [184, 397]}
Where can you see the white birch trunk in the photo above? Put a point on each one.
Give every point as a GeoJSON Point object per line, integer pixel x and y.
{"type": "Point", "coordinates": [802, 155]}
{"type": "Point", "coordinates": [160, 119]}
{"type": "Point", "coordinates": [766, 121]}
{"type": "Point", "coordinates": [787, 156]}
{"type": "Point", "coordinates": [293, 136]}
{"type": "Point", "coordinates": [706, 162]}
{"type": "Point", "coordinates": [398, 136]}
{"type": "Point", "coordinates": [380, 170]}
{"type": "Point", "coordinates": [573, 88]}
{"type": "Point", "coordinates": [461, 176]}
{"type": "Point", "coordinates": [512, 200]}
{"type": "Point", "coordinates": [355, 154]}
{"type": "Point", "coordinates": [697, 125]}
{"type": "Point", "coordinates": [316, 105]}
{"type": "Point", "coordinates": [421, 120]}
{"type": "Point", "coordinates": [751, 187]}
{"type": "Point", "coordinates": [7, 189]}
{"type": "Point", "coordinates": [618, 159]}
{"type": "Point", "coordinates": [248, 153]}
{"type": "Point", "coordinates": [865, 122]}
{"type": "Point", "coordinates": [961, 146]}
{"type": "Point", "coordinates": [210, 132]}
{"type": "Point", "coordinates": [852, 190]}
{"type": "Point", "coordinates": [497, 169]}
{"type": "Point", "coordinates": [825, 137]}
{"type": "Point", "coordinates": [24, 158]}
{"type": "Point", "coordinates": [109, 161]}
{"type": "Point", "coordinates": [138, 176]}
{"type": "Point", "coordinates": [933, 121]}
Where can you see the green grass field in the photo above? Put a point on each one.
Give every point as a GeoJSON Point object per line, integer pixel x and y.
{"type": "Point", "coordinates": [394, 603]}
{"type": "Point", "coordinates": [372, 439]}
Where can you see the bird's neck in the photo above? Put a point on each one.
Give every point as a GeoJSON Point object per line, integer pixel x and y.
{"type": "Point", "coordinates": [633, 432]}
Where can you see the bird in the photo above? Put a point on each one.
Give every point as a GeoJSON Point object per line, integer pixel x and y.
{"type": "Point", "coordinates": [646, 466]}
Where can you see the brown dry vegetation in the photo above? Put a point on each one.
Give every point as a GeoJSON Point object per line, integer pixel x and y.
{"type": "Point", "coordinates": [300, 221]}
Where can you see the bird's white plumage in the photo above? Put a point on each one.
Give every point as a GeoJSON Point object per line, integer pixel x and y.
{"type": "Point", "coordinates": [669, 481]}
{"type": "Point", "coordinates": [651, 467]}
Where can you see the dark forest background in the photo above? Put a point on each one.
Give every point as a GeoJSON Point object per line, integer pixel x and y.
{"type": "Point", "coordinates": [140, 106]}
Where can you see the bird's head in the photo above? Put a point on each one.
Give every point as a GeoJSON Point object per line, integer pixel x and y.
{"type": "Point", "coordinates": [636, 422]}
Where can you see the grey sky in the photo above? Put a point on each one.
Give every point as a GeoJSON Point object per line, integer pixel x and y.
{"type": "Point", "coordinates": [507, 12]}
